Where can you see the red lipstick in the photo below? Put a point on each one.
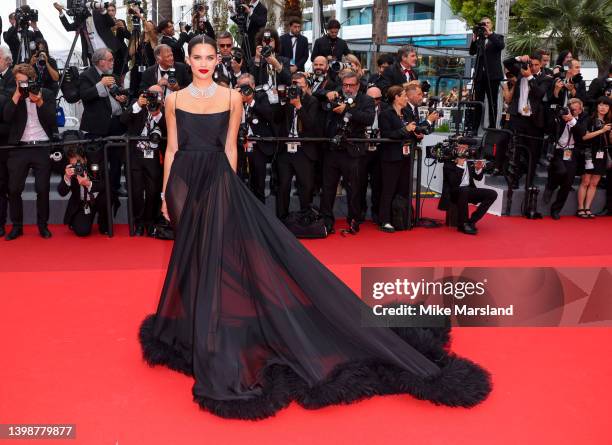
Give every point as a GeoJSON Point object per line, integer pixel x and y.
{"type": "Point", "coordinates": [203, 71]}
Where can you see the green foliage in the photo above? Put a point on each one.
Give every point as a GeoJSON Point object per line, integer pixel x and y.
{"type": "Point", "coordinates": [473, 10]}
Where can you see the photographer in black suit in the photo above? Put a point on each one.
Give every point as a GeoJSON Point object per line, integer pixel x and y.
{"type": "Point", "coordinates": [294, 46]}
{"type": "Point", "coordinates": [7, 86]}
{"type": "Point", "coordinates": [103, 103]}
{"type": "Point", "coordinates": [298, 158]}
{"type": "Point", "coordinates": [96, 32]}
{"type": "Point", "coordinates": [270, 71]}
{"type": "Point", "coordinates": [31, 112]}
{"type": "Point", "coordinates": [458, 187]}
{"type": "Point", "coordinates": [400, 72]}
{"type": "Point", "coordinates": [320, 80]}
{"type": "Point", "coordinates": [487, 46]}
{"type": "Point", "coordinates": [330, 45]}
{"type": "Point", "coordinates": [231, 59]}
{"type": "Point", "coordinates": [350, 113]}
{"type": "Point", "coordinates": [86, 194]}
{"type": "Point", "coordinates": [257, 120]}
{"type": "Point", "coordinates": [7, 79]}
{"type": "Point", "coordinates": [569, 84]}
{"type": "Point", "coordinates": [161, 73]}
{"type": "Point", "coordinates": [12, 37]}
{"type": "Point", "coordinates": [146, 118]}
{"type": "Point", "coordinates": [257, 17]}
{"type": "Point", "coordinates": [166, 29]}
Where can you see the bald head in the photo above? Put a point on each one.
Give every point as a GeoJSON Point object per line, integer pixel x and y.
{"type": "Point", "coordinates": [374, 92]}
{"type": "Point", "coordinates": [319, 63]}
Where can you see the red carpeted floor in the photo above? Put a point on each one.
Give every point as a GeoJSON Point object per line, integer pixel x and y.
{"type": "Point", "coordinates": [70, 310]}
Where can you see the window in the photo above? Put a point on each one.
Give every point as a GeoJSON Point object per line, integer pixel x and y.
{"type": "Point", "coordinates": [405, 12]}
{"type": "Point", "coordinates": [307, 25]}
{"type": "Point", "coordinates": [362, 16]}
{"type": "Point", "coordinates": [399, 13]}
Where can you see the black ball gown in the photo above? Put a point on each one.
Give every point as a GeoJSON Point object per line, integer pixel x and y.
{"type": "Point", "coordinates": [259, 322]}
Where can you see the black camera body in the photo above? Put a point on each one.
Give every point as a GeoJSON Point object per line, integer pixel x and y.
{"type": "Point", "coordinates": [153, 100]}
{"type": "Point", "coordinates": [349, 101]}
{"type": "Point", "coordinates": [92, 170]}
{"type": "Point", "coordinates": [115, 90]}
{"type": "Point", "coordinates": [342, 132]}
{"type": "Point", "coordinates": [480, 30]}
{"type": "Point", "coordinates": [266, 51]}
{"type": "Point", "coordinates": [237, 55]}
{"type": "Point", "coordinates": [294, 92]}
{"type": "Point", "coordinates": [172, 76]}
{"type": "Point", "coordinates": [24, 15]}
{"type": "Point", "coordinates": [447, 150]}
{"type": "Point", "coordinates": [31, 86]}
{"type": "Point", "coordinates": [246, 90]}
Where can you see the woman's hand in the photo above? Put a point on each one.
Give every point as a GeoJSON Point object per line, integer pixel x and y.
{"type": "Point", "coordinates": [164, 210]}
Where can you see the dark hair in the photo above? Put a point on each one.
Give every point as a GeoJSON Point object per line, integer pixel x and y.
{"type": "Point", "coordinates": [225, 35]}
{"type": "Point", "coordinates": [536, 56]}
{"type": "Point", "coordinates": [562, 56]}
{"type": "Point", "coordinates": [298, 75]}
{"type": "Point", "coordinates": [44, 43]}
{"type": "Point", "coordinates": [293, 20]}
{"type": "Point", "coordinates": [607, 101]}
{"type": "Point", "coordinates": [384, 58]}
{"type": "Point", "coordinates": [333, 24]}
{"type": "Point", "coordinates": [163, 25]}
{"type": "Point", "coordinates": [273, 34]}
{"type": "Point", "coordinates": [393, 92]}
{"type": "Point", "coordinates": [201, 39]}
{"type": "Point", "coordinates": [406, 49]}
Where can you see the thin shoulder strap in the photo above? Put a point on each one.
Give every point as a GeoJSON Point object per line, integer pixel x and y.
{"type": "Point", "coordinates": [230, 100]}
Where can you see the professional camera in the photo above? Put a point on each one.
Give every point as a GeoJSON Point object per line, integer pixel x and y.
{"type": "Point", "coordinates": [563, 111]}
{"type": "Point", "coordinates": [342, 132]}
{"type": "Point", "coordinates": [246, 90]}
{"type": "Point", "coordinates": [115, 90]}
{"type": "Point", "coordinates": [92, 170]}
{"type": "Point", "coordinates": [432, 104]}
{"type": "Point", "coordinates": [153, 100]}
{"type": "Point", "coordinates": [266, 51]}
{"type": "Point", "coordinates": [329, 106]}
{"type": "Point", "coordinates": [294, 92]}
{"type": "Point", "coordinates": [422, 129]}
{"type": "Point", "coordinates": [29, 86]}
{"type": "Point", "coordinates": [41, 61]}
{"type": "Point", "coordinates": [155, 137]}
{"type": "Point", "coordinates": [172, 76]}
{"type": "Point", "coordinates": [243, 132]}
{"type": "Point", "coordinates": [240, 16]}
{"type": "Point", "coordinates": [425, 87]}
{"type": "Point", "coordinates": [480, 30]}
{"type": "Point", "coordinates": [337, 66]}
{"type": "Point", "coordinates": [24, 15]}
{"type": "Point", "coordinates": [237, 55]}
{"type": "Point", "coordinates": [447, 150]}
{"type": "Point", "coordinates": [317, 76]}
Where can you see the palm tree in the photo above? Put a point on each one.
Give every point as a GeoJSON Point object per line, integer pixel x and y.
{"type": "Point", "coordinates": [582, 26]}
{"type": "Point", "coordinates": [164, 9]}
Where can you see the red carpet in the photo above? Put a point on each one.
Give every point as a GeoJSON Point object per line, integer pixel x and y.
{"type": "Point", "coordinates": [70, 310]}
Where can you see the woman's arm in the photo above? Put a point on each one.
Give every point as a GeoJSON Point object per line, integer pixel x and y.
{"type": "Point", "coordinates": [171, 147]}
{"type": "Point", "coordinates": [590, 135]}
{"type": "Point", "coordinates": [231, 141]}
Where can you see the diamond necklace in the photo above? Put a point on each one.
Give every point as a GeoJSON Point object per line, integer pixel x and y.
{"type": "Point", "coordinates": [196, 92]}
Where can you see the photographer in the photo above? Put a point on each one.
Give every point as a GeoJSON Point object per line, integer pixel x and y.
{"type": "Point", "coordinates": [598, 139]}
{"type": "Point", "coordinates": [301, 119]}
{"type": "Point", "coordinates": [569, 131]}
{"type": "Point", "coordinates": [600, 86]}
{"type": "Point", "coordinates": [145, 118]}
{"type": "Point", "coordinates": [257, 16]}
{"type": "Point", "coordinates": [21, 20]}
{"type": "Point", "coordinates": [103, 102]}
{"type": "Point", "coordinates": [31, 112]}
{"type": "Point", "coordinates": [141, 53]}
{"type": "Point", "coordinates": [487, 47]}
{"type": "Point", "coordinates": [383, 62]}
{"type": "Point", "coordinates": [402, 71]}
{"type": "Point", "coordinates": [4, 133]}
{"type": "Point", "coordinates": [568, 84]}
{"type": "Point", "coordinates": [320, 80]}
{"type": "Point", "coordinates": [47, 74]}
{"type": "Point", "coordinates": [231, 61]}
{"type": "Point", "coordinates": [458, 188]}
{"type": "Point", "coordinates": [166, 29]}
{"type": "Point", "coordinates": [121, 34]}
{"type": "Point", "coordinates": [7, 79]}
{"type": "Point", "coordinates": [169, 74]}
{"type": "Point", "coordinates": [86, 195]}
{"type": "Point", "coordinates": [95, 28]}
{"type": "Point", "coordinates": [395, 156]}
{"type": "Point", "coordinates": [350, 112]}
{"type": "Point", "coordinates": [268, 69]}
{"type": "Point", "coordinates": [414, 93]}
{"type": "Point", "coordinates": [257, 120]}
{"type": "Point", "coordinates": [294, 46]}
{"type": "Point", "coordinates": [330, 45]}
{"type": "Point", "coordinates": [200, 23]}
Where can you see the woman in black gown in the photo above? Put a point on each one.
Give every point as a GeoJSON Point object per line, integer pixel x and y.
{"type": "Point", "coordinates": [247, 310]}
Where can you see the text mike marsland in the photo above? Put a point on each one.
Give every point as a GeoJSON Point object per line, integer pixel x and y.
{"type": "Point", "coordinates": [438, 310]}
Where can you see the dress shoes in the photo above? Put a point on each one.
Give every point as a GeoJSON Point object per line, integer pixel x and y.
{"type": "Point", "coordinates": [555, 215]}
{"type": "Point", "coordinates": [15, 233]}
{"type": "Point", "coordinates": [44, 231]}
{"type": "Point", "coordinates": [468, 229]}
{"type": "Point", "coordinates": [605, 212]}
{"type": "Point", "coordinates": [139, 230]}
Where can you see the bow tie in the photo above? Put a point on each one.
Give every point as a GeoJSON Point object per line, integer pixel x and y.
{"type": "Point", "coordinates": [162, 73]}
{"type": "Point", "coordinates": [408, 71]}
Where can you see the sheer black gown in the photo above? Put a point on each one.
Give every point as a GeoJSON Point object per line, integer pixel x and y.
{"type": "Point", "coordinates": [258, 321]}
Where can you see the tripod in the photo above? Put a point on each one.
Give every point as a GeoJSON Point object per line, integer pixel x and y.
{"type": "Point", "coordinates": [67, 63]}
{"type": "Point", "coordinates": [24, 45]}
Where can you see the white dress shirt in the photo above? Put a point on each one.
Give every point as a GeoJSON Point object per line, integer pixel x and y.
{"type": "Point", "coordinates": [33, 130]}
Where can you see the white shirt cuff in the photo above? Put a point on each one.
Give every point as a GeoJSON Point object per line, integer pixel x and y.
{"type": "Point", "coordinates": [136, 108]}
{"type": "Point", "coordinates": [66, 181]}
{"type": "Point", "coordinates": [462, 166]}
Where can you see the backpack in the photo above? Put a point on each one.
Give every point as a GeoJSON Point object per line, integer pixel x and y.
{"type": "Point", "coordinates": [307, 223]}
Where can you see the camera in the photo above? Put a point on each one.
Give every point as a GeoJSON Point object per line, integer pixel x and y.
{"type": "Point", "coordinates": [266, 51]}
{"type": "Point", "coordinates": [243, 132]}
{"type": "Point", "coordinates": [246, 90]}
{"type": "Point", "coordinates": [336, 66]}
{"type": "Point", "coordinates": [153, 100]}
{"type": "Point", "coordinates": [172, 76]}
{"type": "Point", "coordinates": [240, 15]}
{"type": "Point", "coordinates": [422, 129]}
{"type": "Point", "coordinates": [24, 15]}
{"type": "Point", "coordinates": [480, 30]}
{"type": "Point", "coordinates": [41, 61]}
{"type": "Point", "coordinates": [294, 92]}
{"type": "Point", "coordinates": [425, 87]}
{"type": "Point", "coordinates": [29, 86]}
{"type": "Point", "coordinates": [329, 106]}
{"type": "Point", "coordinates": [342, 132]}
{"type": "Point", "coordinates": [155, 137]}
{"type": "Point", "coordinates": [447, 150]}
{"type": "Point", "coordinates": [237, 55]}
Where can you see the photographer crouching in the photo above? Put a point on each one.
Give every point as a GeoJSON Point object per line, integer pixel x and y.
{"type": "Point", "coordinates": [145, 118]}
{"type": "Point", "coordinates": [458, 188]}
{"type": "Point", "coordinates": [348, 115]}
{"type": "Point", "coordinates": [86, 187]}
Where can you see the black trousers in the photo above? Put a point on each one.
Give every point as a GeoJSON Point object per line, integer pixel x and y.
{"type": "Point", "coordinates": [561, 174]}
{"type": "Point", "coordinates": [371, 175]}
{"type": "Point", "coordinates": [300, 165]}
{"type": "Point", "coordinates": [81, 223]}
{"type": "Point", "coordinates": [525, 126]}
{"type": "Point", "coordinates": [116, 155]}
{"type": "Point", "coordinates": [473, 195]}
{"type": "Point", "coordinates": [489, 88]}
{"type": "Point", "coordinates": [395, 180]}
{"type": "Point", "coordinates": [258, 162]}
{"type": "Point", "coordinates": [336, 164]}
{"type": "Point", "coordinates": [4, 178]}
{"type": "Point", "coordinates": [20, 160]}
{"type": "Point", "coordinates": [146, 188]}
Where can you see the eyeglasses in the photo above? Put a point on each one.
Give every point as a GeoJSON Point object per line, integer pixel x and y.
{"type": "Point", "coordinates": [221, 45]}
{"type": "Point", "coordinates": [349, 85]}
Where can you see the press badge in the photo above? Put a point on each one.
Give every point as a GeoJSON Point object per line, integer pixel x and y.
{"type": "Point", "coordinates": [148, 154]}
{"type": "Point", "coordinates": [292, 147]}
{"type": "Point", "coordinates": [272, 96]}
{"type": "Point", "coordinates": [142, 68]}
{"type": "Point", "coordinates": [86, 209]}
{"type": "Point", "coordinates": [599, 155]}
{"type": "Point", "coordinates": [406, 150]}
{"type": "Point", "coordinates": [567, 155]}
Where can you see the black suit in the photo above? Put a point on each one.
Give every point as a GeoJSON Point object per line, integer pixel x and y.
{"type": "Point", "coordinates": [301, 50]}
{"type": "Point", "coordinates": [4, 132]}
{"type": "Point", "coordinates": [146, 172]}
{"type": "Point", "coordinates": [300, 163]}
{"type": "Point", "coordinates": [324, 46]}
{"type": "Point", "coordinates": [260, 119]}
{"type": "Point", "coordinates": [7, 83]}
{"type": "Point", "coordinates": [151, 76]}
{"type": "Point", "coordinates": [21, 159]}
{"type": "Point", "coordinates": [487, 75]}
{"type": "Point", "coordinates": [80, 213]}
{"type": "Point", "coordinates": [344, 159]}
{"type": "Point", "coordinates": [394, 75]}
{"type": "Point", "coordinates": [176, 45]}
{"type": "Point", "coordinates": [261, 72]}
{"type": "Point", "coordinates": [453, 192]}
{"type": "Point", "coordinates": [255, 22]}
{"type": "Point", "coordinates": [122, 54]}
{"type": "Point", "coordinates": [12, 38]}
{"type": "Point", "coordinates": [103, 24]}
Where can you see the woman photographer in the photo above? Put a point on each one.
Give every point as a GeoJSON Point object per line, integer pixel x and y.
{"type": "Point", "coordinates": [47, 74]}
{"type": "Point", "coordinates": [597, 142]}
{"type": "Point", "coordinates": [267, 67]}
{"type": "Point", "coordinates": [141, 52]}
{"type": "Point", "coordinates": [395, 156]}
